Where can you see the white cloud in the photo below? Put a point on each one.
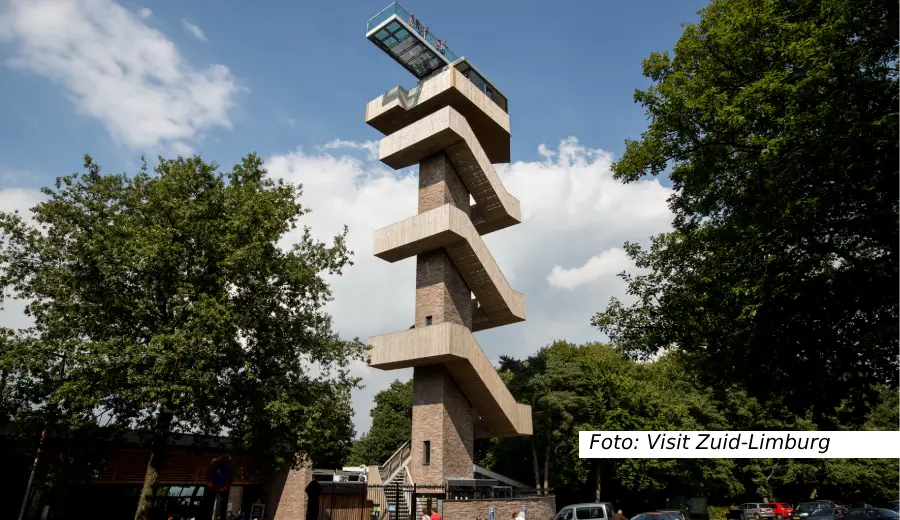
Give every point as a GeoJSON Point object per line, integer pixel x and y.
{"type": "Point", "coordinates": [195, 30]}
{"type": "Point", "coordinates": [145, 13]}
{"type": "Point", "coordinates": [179, 148]}
{"type": "Point", "coordinates": [608, 263]}
{"type": "Point", "coordinates": [117, 69]}
{"type": "Point", "coordinates": [574, 214]}
{"type": "Point", "coordinates": [339, 144]}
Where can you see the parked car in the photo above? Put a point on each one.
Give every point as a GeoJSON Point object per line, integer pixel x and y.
{"type": "Point", "coordinates": [656, 515]}
{"type": "Point", "coordinates": [827, 503]}
{"type": "Point", "coordinates": [592, 511]}
{"type": "Point", "coordinates": [860, 505]}
{"type": "Point", "coordinates": [828, 513]}
{"type": "Point", "coordinates": [782, 509]}
{"type": "Point", "coordinates": [804, 509]}
{"type": "Point", "coordinates": [755, 511]}
{"type": "Point", "coordinates": [681, 514]}
{"type": "Point", "coordinates": [872, 513]}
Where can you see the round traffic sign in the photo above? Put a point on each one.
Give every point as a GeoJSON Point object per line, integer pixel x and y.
{"type": "Point", "coordinates": [220, 474]}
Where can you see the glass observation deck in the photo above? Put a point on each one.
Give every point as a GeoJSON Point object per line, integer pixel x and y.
{"type": "Point", "coordinates": [409, 41]}
{"type": "Point", "coordinates": [405, 38]}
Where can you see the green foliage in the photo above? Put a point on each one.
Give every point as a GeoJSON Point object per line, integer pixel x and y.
{"type": "Point", "coordinates": [391, 425]}
{"type": "Point", "coordinates": [174, 310]}
{"type": "Point", "coordinates": [596, 387]}
{"type": "Point", "coordinates": [778, 121]}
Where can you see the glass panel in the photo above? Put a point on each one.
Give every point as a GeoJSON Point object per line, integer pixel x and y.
{"type": "Point", "coordinates": [393, 26]}
{"type": "Point", "coordinates": [382, 34]}
{"type": "Point", "coordinates": [376, 20]}
{"type": "Point", "coordinates": [390, 42]}
{"type": "Point", "coordinates": [200, 490]}
{"type": "Point", "coordinates": [402, 33]}
{"type": "Point", "coordinates": [403, 46]}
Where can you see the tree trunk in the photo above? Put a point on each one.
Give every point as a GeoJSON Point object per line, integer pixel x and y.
{"type": "Point", "coordinates": [154, 466]}
{"type": "Point", "coordinates": [597, 490]}
{"type": "Point", "coordinates": [547, 469]}
{"type": "Point", "coordinates": [537, 471]}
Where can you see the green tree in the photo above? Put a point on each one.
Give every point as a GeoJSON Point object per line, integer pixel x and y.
{"type": "Point", "coordinates": [391, 425]}
{"type": "Point", "coordinates": [596, 387]}
{"type": "Point", "coordinates": [777, 122]}
{"type": "Point", "coordinates": [175, 310]}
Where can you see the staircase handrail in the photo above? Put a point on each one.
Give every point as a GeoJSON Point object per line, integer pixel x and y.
{"type": "Point", "coordinates": [394, 462]}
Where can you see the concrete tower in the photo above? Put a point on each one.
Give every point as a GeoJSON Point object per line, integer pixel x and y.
{"type": "Point", "coordinates": [454, 124]}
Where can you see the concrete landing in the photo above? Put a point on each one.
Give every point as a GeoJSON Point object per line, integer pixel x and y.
{"type": "Point", "coordinates": [448, 131]}
{"type": "Point", "coordinates": [454, 346]}
{"type": "Point", "coordinates": [450, 228]}
{"type": "Point", "coordinates": [398, 108]}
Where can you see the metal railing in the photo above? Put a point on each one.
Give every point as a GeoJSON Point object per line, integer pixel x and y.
{"type": "Point", "coordinates": [395, 461]}
{"type": "Point", "coordinates": [415, 23]}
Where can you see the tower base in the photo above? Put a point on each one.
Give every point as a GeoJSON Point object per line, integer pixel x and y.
{"type": "Point", "coordinates": [442, 428]}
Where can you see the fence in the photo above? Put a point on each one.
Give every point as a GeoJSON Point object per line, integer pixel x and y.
{"type": "Point", "coordinates": [359, 501]}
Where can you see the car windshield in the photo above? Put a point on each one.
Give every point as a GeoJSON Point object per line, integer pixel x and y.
{"type": "Point", "coordinates": [645, 516]}
{"type": "Point", "coordinates": [805, 508]}
{"type": "Point", "coordinates": [822, 512]}
{"type": "Point", "coordinates": [887, 513]}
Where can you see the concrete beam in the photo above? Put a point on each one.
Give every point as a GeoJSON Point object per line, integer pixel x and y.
{"type": "Point", "coordinates": [455, 347]}
{"type": "Point", "coordinates": [448, 131]}
{"type": "Point", "coordinates": [398, 108]}
{"type": "Point", "coordinates": [449, 227]}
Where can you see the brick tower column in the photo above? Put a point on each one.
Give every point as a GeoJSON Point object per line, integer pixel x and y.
{"type": "Point", "coordinates": [442, 416]}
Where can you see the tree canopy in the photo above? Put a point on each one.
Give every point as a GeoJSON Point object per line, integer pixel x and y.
{"type": "Point", "coordinates": [165, 304]}
{"type": "Point", "coordinates": [391, 425]}
{"type": "Point", "coordinates": [777, 123]}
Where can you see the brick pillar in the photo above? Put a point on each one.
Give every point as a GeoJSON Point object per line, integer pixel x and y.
{"type": "Point", "coordinates": [442, 417]}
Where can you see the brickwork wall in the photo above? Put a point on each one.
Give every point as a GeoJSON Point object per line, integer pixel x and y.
{"type": "Point", "coordinates": [538, 508]}
{"type": "Point", "coordinates": [440, 291]}
{"type": "Point", "coordinates": [443, 416]}
{"type": "Point", "coordinates": [287, 494]}
{"type": "Point", "coordinates": [439, 184]}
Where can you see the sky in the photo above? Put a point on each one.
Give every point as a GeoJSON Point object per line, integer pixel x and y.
{"type": "Point", "coordinates": [290, 81]}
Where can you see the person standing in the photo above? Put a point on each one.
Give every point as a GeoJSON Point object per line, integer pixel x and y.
{"type": "Point", "coordinates": [619, 516]}
{"type": "Point", "coordinates": [427, 514]}
{"type": "Point", "coordinates": [435, 516]}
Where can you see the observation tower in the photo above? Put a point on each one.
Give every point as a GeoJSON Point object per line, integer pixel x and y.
{"type": "Point", "coordinates": [454, 124]}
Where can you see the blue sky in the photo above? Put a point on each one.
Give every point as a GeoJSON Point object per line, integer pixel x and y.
{"type": "Point", "coordinates": [569, 68]}
{"type": "Point", "coordinates": [121, 78]}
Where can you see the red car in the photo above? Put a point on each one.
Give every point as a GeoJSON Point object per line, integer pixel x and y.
{"type": "Point", "coordinates": [782, 509]}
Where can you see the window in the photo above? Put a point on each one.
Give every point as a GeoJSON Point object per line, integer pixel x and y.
{"type": "Point", "coordinates": [565, 514]}
{"type": "Point", "coordinates": [427, 320]}
{"type": "Point", "coordinates": [589, 513]}
{"type": "Point", "coordinates": [428, 443]}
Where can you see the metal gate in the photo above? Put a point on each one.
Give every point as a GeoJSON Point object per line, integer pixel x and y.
{"type": "Point", "coordinates": [404, 501]}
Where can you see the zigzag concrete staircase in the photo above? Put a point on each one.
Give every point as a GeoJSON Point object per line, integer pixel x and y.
{"type": "Point", "coordinates": [454, 131]}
